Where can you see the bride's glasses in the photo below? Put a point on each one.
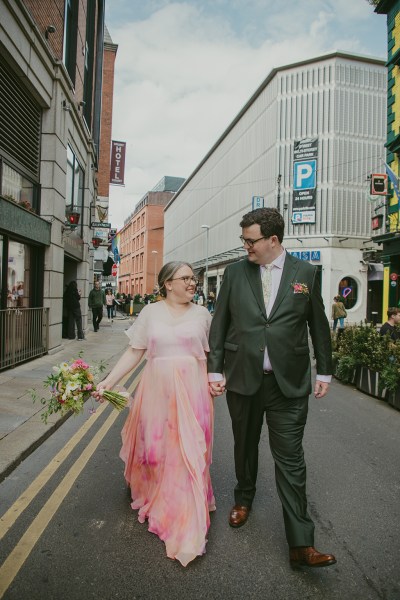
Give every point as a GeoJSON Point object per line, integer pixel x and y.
{"type": "Point", "coordinates": [186, 280]}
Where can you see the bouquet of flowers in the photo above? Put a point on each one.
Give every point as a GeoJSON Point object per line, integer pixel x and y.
{"type": "Point", "coordinates": [70, 385]}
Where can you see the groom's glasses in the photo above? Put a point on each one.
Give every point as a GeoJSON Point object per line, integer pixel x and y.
{"type": "Point", "coordinates": [250, 243]}
{"type": "Point", "coordinates": [186, 280]}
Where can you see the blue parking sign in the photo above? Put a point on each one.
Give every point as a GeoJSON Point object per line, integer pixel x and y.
{"type": "Point", "coordinates": [304, 175]}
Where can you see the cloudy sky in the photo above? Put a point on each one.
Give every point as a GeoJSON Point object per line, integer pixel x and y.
{"type": "Point", "coordinates": [184, 69]}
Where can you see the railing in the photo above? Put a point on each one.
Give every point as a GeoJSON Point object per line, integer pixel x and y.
{"type": "Point", "coordinates": [24, 334]}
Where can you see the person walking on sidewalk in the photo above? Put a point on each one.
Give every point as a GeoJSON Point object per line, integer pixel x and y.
{"type": "Point", "coordinates": [96, 303]}
{"type": "Point", "coordinates": [72, 304]}
{"type": "Point", "coordinates": [339, 314]}
{"type": "Point", "coordinates": [110, 304]}
{"type": "Point", "coordinates": [259, 335]}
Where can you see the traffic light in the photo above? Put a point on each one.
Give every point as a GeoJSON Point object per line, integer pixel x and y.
{"type": "Point", "coordinates": [378, 184]}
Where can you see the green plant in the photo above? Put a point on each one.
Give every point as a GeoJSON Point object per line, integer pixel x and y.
{"type": "Point", "coordinates": [363, 346]}
{"type": "Point", "coordinates": [137, 299]}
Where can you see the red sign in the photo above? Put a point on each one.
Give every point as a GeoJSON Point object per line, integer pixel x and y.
{"type": "Point", "coordinates": [393, 276]}
{"type": "Point", "coordinates": [117, 173]}
{"type": "Point", "coordinates": [377, 222]}
{"type": "Point", "coordinates": [114, 270]}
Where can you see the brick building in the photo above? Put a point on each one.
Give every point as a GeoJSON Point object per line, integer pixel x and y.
{"type": "Point", "coordinates": [142, 239]}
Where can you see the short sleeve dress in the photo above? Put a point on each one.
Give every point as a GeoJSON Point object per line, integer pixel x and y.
{"type": "Point", "coordinates": [167, 437]}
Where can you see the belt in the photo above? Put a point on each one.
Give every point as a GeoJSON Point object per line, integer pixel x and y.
{"type": "Point", "coordinates": [268, 372]}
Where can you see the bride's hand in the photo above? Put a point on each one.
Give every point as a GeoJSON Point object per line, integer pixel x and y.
{"type": "Point", "coordinates": [100, 387]}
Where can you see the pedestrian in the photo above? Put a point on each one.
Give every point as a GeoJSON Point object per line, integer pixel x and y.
{"type": "Point", "coordinates": [390, 327]}
{"type": "Point", "coordinates": [110, 304]}
{"type": "Point", "coordinates": [96, 302]}
{"type": "Point", "coordinates": [71, 300]}
{"type": "Point", "coordinates": [339, 313]}
{"type": "Point", "coordinates": [259, 338]}
{"type": "Point", "coordinates": [167, 437]}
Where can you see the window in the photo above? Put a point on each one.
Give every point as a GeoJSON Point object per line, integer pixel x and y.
{"type": "Point", "coordinates": [75, 185]}
{"type": "Point", "coordinates": [18, 188]}
{"type": "Point", "coordinates": [18, 272]}
{"type": "Point", "coordinates": [71, 37]}
{"type": "Point", "coordinates": [89, 61]}
{"type": "Point", "coordinates": [348, 291]}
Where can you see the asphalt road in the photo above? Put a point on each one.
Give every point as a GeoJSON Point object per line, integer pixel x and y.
{"type": "Point", "coordinates": [79, 539]}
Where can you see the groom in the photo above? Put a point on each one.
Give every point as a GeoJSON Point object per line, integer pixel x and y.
{"type": "Point", "coordinates": [259, 339]}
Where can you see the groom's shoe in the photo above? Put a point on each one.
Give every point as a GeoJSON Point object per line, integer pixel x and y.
{"type": "Point", "coordinates": [307, 556]}
{"type": "Point", "coordinates": [238, 515]}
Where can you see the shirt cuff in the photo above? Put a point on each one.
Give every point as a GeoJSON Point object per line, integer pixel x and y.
{"type": "Point", "coordinates": [215, 377]}
{"type": "Point", "coordinates": [324, 378]}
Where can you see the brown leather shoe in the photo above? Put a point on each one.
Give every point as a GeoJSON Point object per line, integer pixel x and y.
{"type": "Point", "coordinates": [238, 515]}
{"type": "Point", "coordinates": [307, 556]}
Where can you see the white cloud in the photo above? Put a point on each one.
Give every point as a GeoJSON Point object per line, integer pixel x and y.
{"type": "Point", "coordinates": [184, 70]}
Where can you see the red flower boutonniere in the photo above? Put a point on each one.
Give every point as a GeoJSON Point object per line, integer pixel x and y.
{"type": "Point", "coordinates": [300, 288]}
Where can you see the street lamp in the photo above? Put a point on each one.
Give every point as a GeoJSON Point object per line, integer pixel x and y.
{"type": "Point", "coordinates": [155, 268]}
{"type": "Point", "coordinates": [205, 286]}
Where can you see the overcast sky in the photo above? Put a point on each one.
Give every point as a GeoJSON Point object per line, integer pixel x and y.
{"type": "Point", "coordinates": [184, 70]}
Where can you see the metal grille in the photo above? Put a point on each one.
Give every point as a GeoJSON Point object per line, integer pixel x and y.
{"type": "Point", "coordinates": [20, 121]}
{"type": "Point", "coordinates": [23, 335]}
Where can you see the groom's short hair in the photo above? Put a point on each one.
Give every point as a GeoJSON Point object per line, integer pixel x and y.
{"type": "Point", "coordinates": [270, 221]}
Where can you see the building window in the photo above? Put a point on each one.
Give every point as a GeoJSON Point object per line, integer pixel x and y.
{"type": "Point", "coordinates": [75, 185]}
{"type": "Point", "coordinates": [18, 188]}
{"type": "Point", "coordinates": [71, 37]}
{"type": "Point", "coordinates": [348, 291]}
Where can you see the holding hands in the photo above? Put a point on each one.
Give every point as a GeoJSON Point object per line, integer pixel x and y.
{"type": "Point", "coordinates": [217, 388]}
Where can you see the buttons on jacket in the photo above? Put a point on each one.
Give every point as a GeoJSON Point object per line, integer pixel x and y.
{"type": "Point", "coordinates": [262, 349]}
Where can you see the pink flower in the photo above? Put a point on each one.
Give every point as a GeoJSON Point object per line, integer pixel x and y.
{"type": "Point", "coordinates": [88, 386]}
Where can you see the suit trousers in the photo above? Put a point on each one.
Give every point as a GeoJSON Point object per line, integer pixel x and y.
{"type": "Point", "coordinates": [286, 419]}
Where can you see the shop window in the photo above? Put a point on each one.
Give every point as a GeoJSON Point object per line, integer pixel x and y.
{"type": "Point", "coordinates": [348, 291]}
{"type": "Point", "coordinates": [75, 184]}
{"type": "Point", "coordinates": [18, 188]}
{"type": "Point", "coordinates": [18, 275]}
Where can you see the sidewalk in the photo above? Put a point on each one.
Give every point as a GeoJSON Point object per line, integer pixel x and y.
{"type": "Point", "coordinates": [21, 428]}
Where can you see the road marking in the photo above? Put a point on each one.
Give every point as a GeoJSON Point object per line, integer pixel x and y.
{"type": "Point", "coordinates": [16, 559]}
{"type": "Point", "coordinates": [12, 514]}
{"type": "Point", "coordinates": [18, 556]}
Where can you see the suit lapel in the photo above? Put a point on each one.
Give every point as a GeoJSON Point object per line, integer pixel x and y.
{"type": "Point", "coordinates": [253, 275]}
{"type": "Point", "coordinates": [290, 269]}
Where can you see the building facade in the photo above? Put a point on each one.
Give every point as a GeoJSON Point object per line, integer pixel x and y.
{"type": "Point", "coordinates": [51, 81]}
{"type": "Point", "coordinates": [305, 142]}
{"type": "Point", "coordinates": [141, 240]}
{"type": "Point", "coordinates": [388, 236]}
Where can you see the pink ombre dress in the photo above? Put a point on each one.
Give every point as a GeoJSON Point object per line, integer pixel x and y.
{"type": "Point", "coordinates": [167, 437]}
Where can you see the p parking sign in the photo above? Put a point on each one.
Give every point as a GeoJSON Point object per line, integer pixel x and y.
{"type": "Point", "coordinates": [304, 175]}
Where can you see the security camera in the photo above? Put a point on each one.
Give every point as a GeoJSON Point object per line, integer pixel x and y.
{"type": "Point", "coordinates": [49, 29]}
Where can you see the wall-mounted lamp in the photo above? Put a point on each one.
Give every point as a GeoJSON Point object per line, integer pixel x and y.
{"type": "Point", "coordinates": [66, 106]}
{"type": "Point", "coordinates": [81, 105]}
{"type": "Point", "coordinates": [49, 29]}
{"type": "Point", "coordinates": [342, 240]}
{"type": "Point", "coordinates": [72, 219]}
{"type": "Point", "coordinates": [299, 240]}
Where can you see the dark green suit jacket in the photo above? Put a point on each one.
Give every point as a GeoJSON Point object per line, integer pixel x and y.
{"type": "Point", "coordinates": [240, 329]}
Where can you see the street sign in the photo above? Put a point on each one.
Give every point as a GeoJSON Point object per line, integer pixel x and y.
{"type": "Point", "coordinates": [257, 202]}
{"type": "Point", "coordinates": [100, 224]}
{"type": "Point", "coordinates": [393, 276]}
{"type": "Point", "coordinates": [114, 270]}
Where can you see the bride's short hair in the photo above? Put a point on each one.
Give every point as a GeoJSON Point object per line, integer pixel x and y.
{"type": "Point", "coordinates": [167, 272]}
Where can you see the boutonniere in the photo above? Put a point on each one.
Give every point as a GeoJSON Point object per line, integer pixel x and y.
{"type": "Point", "coordinates": [300, 288]}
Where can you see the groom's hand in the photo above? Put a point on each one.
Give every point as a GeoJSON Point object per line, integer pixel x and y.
{"type": "Point", "coordinates": [321, 389]}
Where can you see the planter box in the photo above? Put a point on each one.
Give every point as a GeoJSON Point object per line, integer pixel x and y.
{"type": "Point", "coordinates": [368, 382]}
{"type": "Point", "coordinates": [393, 398]}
